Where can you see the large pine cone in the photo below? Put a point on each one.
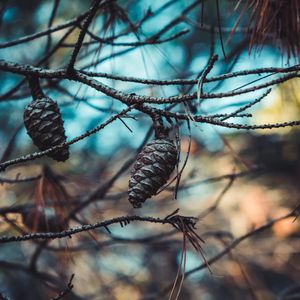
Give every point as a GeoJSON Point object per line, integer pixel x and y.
{"type": "Point", "coordinates": [151, 170]}
{"type": "Point", "coordinates": [44, 125]}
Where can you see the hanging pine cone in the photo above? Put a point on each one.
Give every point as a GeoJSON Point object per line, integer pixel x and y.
{"type": "Point", "coordinates": [44, 124]}
{"type": "Point", "coordinates": [152, 169]}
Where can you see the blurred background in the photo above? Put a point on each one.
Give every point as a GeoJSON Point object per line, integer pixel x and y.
{"type": "Point", "coordinates": [140, 260]}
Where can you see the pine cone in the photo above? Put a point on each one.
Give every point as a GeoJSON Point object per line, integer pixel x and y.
{"type": "Point", "coordinates": [152, 169]}
{"type": "Point", "coordinates": [44, 125]}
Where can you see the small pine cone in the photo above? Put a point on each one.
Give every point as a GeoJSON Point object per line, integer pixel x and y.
{"type": "Point", "coordinates": [44, 125]}
{"type": "Point", "coordinates": [151, 170]}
